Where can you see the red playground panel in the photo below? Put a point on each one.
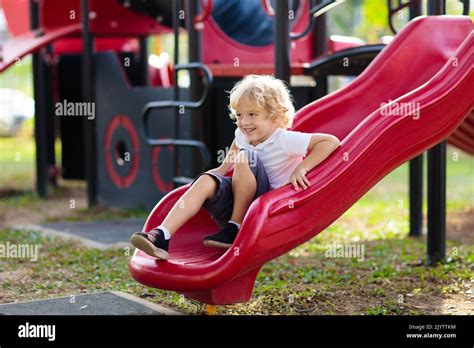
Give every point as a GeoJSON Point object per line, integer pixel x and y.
{"type": "Point", "coordinates": [114, 26]}
{"type": "Point", "coordinates": [218, 48]}
{"type": "Point", "coordinates": [107, 18]}
{"type": "Point", "coordinates": [18, 15]}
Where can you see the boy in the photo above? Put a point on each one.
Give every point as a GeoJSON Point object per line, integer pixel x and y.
{"type": "Point", "coordinates": [265, 156]}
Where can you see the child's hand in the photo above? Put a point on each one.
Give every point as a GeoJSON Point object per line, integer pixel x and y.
{"type": "Point", "coordinates": [298, 176]}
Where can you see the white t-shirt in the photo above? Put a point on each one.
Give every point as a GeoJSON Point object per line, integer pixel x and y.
{"type": "Point", "coordinates": [280, 153]}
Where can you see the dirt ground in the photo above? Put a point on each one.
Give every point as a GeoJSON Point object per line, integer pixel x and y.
{"type": "Point", "coordinates": [460, 227]}
{"type": "Point", "coordinates": [68, 202]}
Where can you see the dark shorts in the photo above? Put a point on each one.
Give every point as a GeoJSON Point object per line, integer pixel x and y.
{"type": "Point", "coordinates": [221, 204]}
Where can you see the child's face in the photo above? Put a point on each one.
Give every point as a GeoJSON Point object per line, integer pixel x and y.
{"type": "Point", "coordinates": [254, 123]}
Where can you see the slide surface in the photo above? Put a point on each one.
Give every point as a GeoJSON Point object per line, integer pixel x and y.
{"type": "Point", "coordinates": [415, 93]}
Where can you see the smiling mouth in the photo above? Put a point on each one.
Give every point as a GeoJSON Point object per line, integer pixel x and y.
{"type": "Point", "coordinates": [249, 130]}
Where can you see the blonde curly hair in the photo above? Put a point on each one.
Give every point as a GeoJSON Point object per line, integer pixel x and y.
{"type": "Point", "coordinates": [264, 92]}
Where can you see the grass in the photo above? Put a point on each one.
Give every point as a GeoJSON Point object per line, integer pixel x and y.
{"type": "Point", "coordinates": [17, 155]}
{"type": "Point", "coordinates": [19, 76]}
{"type": "Point", "coordinates": [391, 280]}
{"type": "Point", "coordinates": [17, 159]}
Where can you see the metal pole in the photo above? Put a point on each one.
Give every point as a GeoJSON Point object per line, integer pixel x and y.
{"type": "Point", "coordinates": [194, 124]}
{"type": "Point", "coordinates": [320, 47]}
{"type": "Point", "coordinates": [416, 196]}
{"type": "Point", "coordinates": [50, 116]}
{"type": "Point", "coordinates": [437, 203]}
{"type": "Point", "coordinates": [416, 168]}
{"type": "Point", "coordinates": [282, 41]}
{"type": "Point", "coordinates": [194, 46]}
{"type": "Point", "coordinates": [90, 158]}
{"type": "Point", "coordinates": [39, 86]}
{"type": "Point", "coordinates": [415, 9]}
{"type": "Point", "coordinates": [177, 6]}
{"type": "Point", "coordinates": [436, 7]}
{"type": "Point", "coordinates": [144, 60]}
{"type": "Point", "coordinates": [436, 239]}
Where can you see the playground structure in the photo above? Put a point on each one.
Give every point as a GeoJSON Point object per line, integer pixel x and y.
{"type": "Point", "coordinates": [144, 121]}
{"type": "Point", "coordinates": [148, 136]}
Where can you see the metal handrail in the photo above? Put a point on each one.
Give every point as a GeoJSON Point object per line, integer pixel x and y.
{"type": "Point", "coordinates": [315, 12]}
{"type": "Point", "coordinates": [146, 112]}
{"type": "Point", "coordinates": [206, 156]}
{"type": "Point", "coordinates": [465, 7]}
{"type": "Point", "coordinates": [178, 103]}
{"type": "Point", "coordinates": [394, 10]}
{"type": "Point", "coordinates": [267, 7]}
{"type": "Point", "coordinates": [200, 18]}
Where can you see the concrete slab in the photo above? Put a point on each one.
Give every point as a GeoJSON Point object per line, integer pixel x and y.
{"type": "Point", "coordinates": [95, 234]}
{"type": "Point", "coordinates": [100, 303]}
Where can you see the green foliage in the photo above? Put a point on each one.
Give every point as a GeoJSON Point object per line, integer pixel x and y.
{"type": "Point", "coordinates": [19, 76]}
{"type": "Point", "coordinates": [368, 19]}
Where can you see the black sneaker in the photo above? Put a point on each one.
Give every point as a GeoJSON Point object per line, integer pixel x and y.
{"type": "Point", "coordinates": [153, 243]}
{"type": "Point", "coordinates": [224, 238]}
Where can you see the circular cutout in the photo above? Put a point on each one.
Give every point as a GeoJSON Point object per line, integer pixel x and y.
{"type": "Point", "coordinates": [120, 138]}
{"type": "Point", "coordinates": [247, 22]}
{"type": "Point", "coordinates": [121, 153]}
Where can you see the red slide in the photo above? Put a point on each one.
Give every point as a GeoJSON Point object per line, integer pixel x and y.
{"type": "Point", "coordinates": [415, 93]}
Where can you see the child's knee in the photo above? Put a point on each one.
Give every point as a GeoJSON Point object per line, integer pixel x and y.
{"type": "Point", "coordinates": [245, 158]}
{"type": "Point", "coordinates": [241, 157]}
{"type": "Point", "coordinates": [208, 184]}
{"type": "Point", "coordinates": [246, 162]}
